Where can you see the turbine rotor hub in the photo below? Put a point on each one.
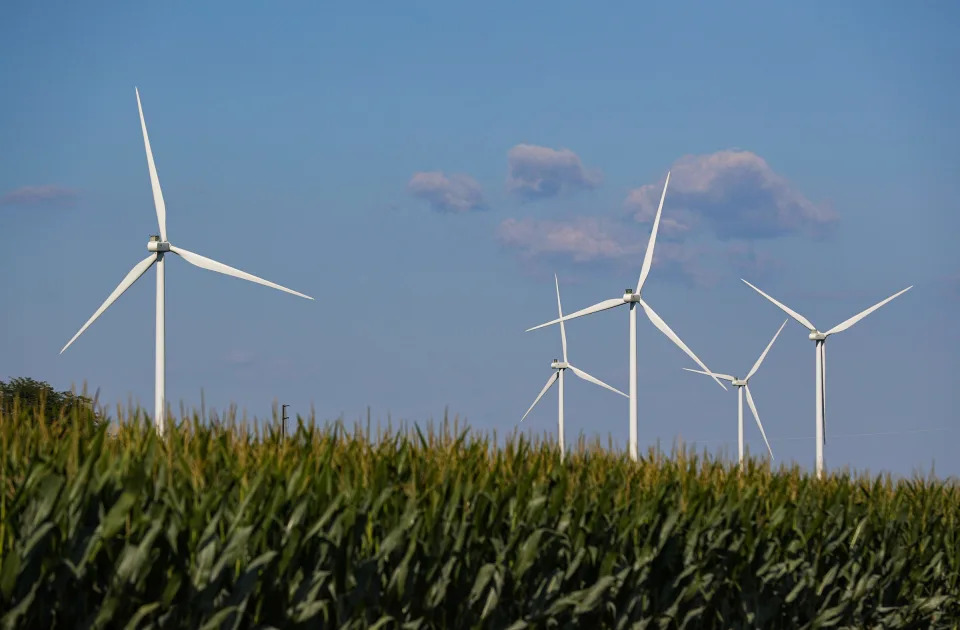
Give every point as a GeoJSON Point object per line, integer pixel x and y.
{"type": "Point", "coordinates": [156, 245]}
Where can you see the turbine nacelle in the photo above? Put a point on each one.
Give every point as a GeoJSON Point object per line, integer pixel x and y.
{"type": "Point", "coordinates": [156, 245]}
{"type": "Point", "coordinates": [559, 365]}
{"type": "Point", "coordinates": [817, 336]}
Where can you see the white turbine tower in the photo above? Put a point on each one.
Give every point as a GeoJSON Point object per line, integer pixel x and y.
{"type": "Point", "coordinates": [561, 367]}
{"type": "Point", "coordinates": [820, 339]}
{"type": "Point", "coordinates": [632, 298]}
{"type": "Point", "coordinates": [158, 246]}
{"type": "Point", "coordinates": [741, 385]}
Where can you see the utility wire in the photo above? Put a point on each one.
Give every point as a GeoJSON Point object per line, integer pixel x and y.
{"type": "Point", "coordinates": [810, 437]}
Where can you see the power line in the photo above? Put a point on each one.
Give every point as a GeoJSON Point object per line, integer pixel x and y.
{"type": "Point", "coordinates": [810, 437]}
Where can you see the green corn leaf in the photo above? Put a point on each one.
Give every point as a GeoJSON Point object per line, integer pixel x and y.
{"type": "Point", "coordinates": [137, 619]}
{"type": "Point", "coordinates": [9, 572]}
{"type": "Point", "coordinates": [116, 517]}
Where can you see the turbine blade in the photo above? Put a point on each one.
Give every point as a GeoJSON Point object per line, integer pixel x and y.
{"type": "Point", "coordinates": [138, 270]}
{"type": "Point", "coordinates": [648, 255]}
{"type": "Point", "coordinates": [550, 381]}
{"type": "Point", "coordinates": [797, 316]}
{"type": "Point", "coordinates": [756, 416]}
{"type": "Point", "coordinates": [601, 306]}
{"type": "Point", "coordinates": [756, 365]}
{"type": "Point", "coordinates": [725, 377]}
{"type": "Point", "coordinates": [563, 330]}
{"type": "Point", "coordinates": [154, 180]}
{"type": "Point", "coordinates": [856, 318]}
{"type": "Point", "coordinates": [662, 325]}
{"type": "Point", "coordinates": [208, 263]}
{"type": "Point", "coordinates": [595, 380]}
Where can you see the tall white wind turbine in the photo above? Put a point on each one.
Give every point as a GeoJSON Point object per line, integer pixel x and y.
{"type": "Point", "coordinates": [632, 298]}
{"type": "Point", "coordinates": [158, 246]}
{"type": "Point", "coordinates": [741, 385]}
{"type": "Point", "coordinates": [820, 339]}
{"type": "Point", "coordinates": [560, 367]}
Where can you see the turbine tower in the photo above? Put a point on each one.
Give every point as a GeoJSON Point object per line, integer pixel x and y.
{"type": "Point", "coordinates": [158, 246]}
{"type": "Point", "coordinates": [819, 339]}
{"type": "Point", "coordinates": [560, 367]}
{"type": "Point", "coordinates": [742, 386]}
{"type": "Point", "coordinates": [632, 298]}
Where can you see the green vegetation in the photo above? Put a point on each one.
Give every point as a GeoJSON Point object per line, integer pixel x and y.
{"type": "Point", "coordinates": [223, 526]}
{"type": "Point", "coordinates": [29, 394]}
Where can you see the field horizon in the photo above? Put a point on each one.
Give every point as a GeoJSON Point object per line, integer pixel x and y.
{"type": "Point", "coordinates": [371, 426]}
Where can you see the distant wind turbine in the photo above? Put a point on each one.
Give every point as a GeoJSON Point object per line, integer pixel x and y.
{"type": "Point", "coordinates": [741, 385]}
{"type": "Point", "coordinates": [819, 339]}
{"type": "Point", "coordinates": [560, 367]}
{"type": "Point", "coordinates": [158, 245]}
{"type": "Point", "coordinates": [632, 298]}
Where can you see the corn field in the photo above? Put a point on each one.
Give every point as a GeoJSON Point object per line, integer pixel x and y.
{"type": "Point", "coordinates": [225, 524]}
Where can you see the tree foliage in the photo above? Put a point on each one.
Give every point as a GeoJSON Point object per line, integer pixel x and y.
{"type": "Point", "coordinates": [40, 402]}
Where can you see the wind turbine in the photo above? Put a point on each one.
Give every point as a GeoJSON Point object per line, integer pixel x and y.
{"type": "Point", "coordinates": [820, 339]}
{"type": "Point", "coordinates": [741, 385]}
{"type": "Point", "coordinates": [158, 246]}
{"type": "Point", "coordinates": [560, 367]}
{"type": "Point", "coordinates": [632, 298]}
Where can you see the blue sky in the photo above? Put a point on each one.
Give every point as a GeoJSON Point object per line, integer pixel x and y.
{"type": "Point", "coordinates": [423, 170]}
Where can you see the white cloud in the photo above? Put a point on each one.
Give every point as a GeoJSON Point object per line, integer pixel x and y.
{"type": "Point", "coordinates": [38, 195]}
{"type": "Point", "coordinates": [736, 194]}
{"type": "Point", "coordinates": [588, 240]}
{"type": "Point", "coordinates": [538, 172]}
{"type": "Point", "coordinates": [455, 193]}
